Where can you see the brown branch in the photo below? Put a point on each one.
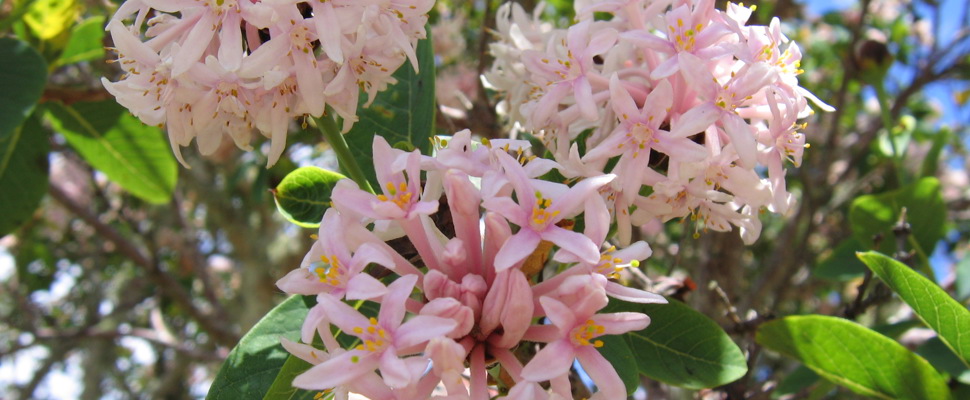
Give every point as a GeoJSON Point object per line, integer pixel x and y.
{"type": "Point", "coordinates": [166, 283]}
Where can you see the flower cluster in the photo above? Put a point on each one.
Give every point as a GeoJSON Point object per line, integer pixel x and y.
{"type": "Point", "coordinates": [468, 233]}
{"type": "Point", "coordinates": [678, 96]}
{"type": "Point", "coordinates": [206, 68]}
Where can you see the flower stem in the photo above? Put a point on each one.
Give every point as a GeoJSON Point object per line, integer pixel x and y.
{"type": "Point", "coordinates": [348, 163]}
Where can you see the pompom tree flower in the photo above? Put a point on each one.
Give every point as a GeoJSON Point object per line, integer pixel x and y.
{"type": "Point", "coordinates": [695, 102]}
{"type": "Point", "coordinates": [206, 69]}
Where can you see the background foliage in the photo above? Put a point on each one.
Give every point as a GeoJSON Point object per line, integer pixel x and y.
{"type": "Point", "coordinates": [123, 275]}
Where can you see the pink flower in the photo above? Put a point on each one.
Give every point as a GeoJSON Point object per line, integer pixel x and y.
{"type": "Point", "coordinates": [576, 337]}
{"type": "Point", "coordinates": [384, 340]}
{"type": "Point", "coordinates": [330, 267]}
{"type": "Point", "coordinates": [537, 216]}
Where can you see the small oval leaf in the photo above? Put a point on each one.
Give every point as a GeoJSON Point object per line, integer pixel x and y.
{"type": "Point", "coordinates": [940, 312]}
{"type": "Point", "coordinates": [855, 357]}
{"type": "Point", "coordinates": [870, 215]}
{"type": "Point", "coordinates": [304, 195]}
{"type": "Point", "coordinates": [683, 347]}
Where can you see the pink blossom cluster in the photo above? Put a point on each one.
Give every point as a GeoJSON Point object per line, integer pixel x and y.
{"type": "Point", "coordinates": [466, 240]}
{"type": "Point", "coordinates": [208, 68]}
{"type": "Point", "coordinates": [693, 110]}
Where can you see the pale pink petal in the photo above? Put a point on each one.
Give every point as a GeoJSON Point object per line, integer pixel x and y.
{"type": "Point", "coordinates": [573, 242]}
{"type": "Point", "coordinates": [301, 281]}
{"type": "Point", "coordinates": [337, 371]}
{"type": "Point", "coordinates": [343, 316]}
{"type": "Point", "coordinates": [517, 248]}
{"type": "Point", "coordinates": [576, 196]}
{"type": "Point", "coordinates": [392, 306]}
{"type": "Point", "coordinates": [364, 287]}
{"type": "Point", "coordinates": [559, 314]}
{"type": "Point", "coordinates": [618, 291]}
{"type": "Point", "coordinates": [304, 352]}
{"type": "Point", "coordinates": [195, 44]}
{"type": "Point", "coordinates": [623, 322]}
{"type": "Point", "coordinates": [422, 328]}
{"type": "Point", "coordinates": [583, 92]}
{"type": "Point", "coordinates": [550, 362]}
{"type": "Point", "coordinates": [742, 138]}
{"type": "Point", "coordinates": [695, 120]}
{"type": "Point", "coordinates": [608, 383]}
{"type": "Point", "coordinates": [667, 68]}
{"type": "Point", "coordinates": [394, 370]}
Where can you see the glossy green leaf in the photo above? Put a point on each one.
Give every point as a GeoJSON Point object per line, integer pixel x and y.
{"type": "Point", "coordinates": [23, 72]}
{"type": "Point", "coordinates": [870, 215]}
{"type": "Point", "coordinates": [85, 43]}
{"type": "Point", "coordinates": [254, 363]}
{"type": "Point", "coordinates": [940, 312]}
{"type": "Point", "coordinates": [616, 349]}
{"type": "Point", "coordinates": [304, 195]}
{"type": "Point", "coordinates": [23, 173]}
{"type": "Point", "coordinates": [405, 112]}
{"type": "Point", "coordinates": [855, 357]}
{"type": "Point", "coordinates": [683, 347]}
{"type": "Point", "coordinates": [135, 156]}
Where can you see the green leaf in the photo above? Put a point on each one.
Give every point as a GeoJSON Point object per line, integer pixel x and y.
{"type": "Point", "coordinates": [616, 349]}
{"type": "Point", "coordinates": [23, 173]}
{"type": "Point", "coordinates": [282, 387]}
{"type": "Point", "coordinates": [683, 347]}
{"type": "Point", "coordinates": [870, 215]}
{"type": "Point", "coordinates": [797, 381]}
{"type": "Point", "coordinates": [841, 264]}
{"type": "Point", "coordinates": [24, 74]}
{"type": "Point", "coordinates": [254, 363]}
{"type": "Point", "coordinates": [940, 312]}
{"type": "Point", "coordinates": [855, 357]}
{"type": "Point", "coordinates": [405, 112]}
{"type": "Point", "coordinates": [942, 357]}
{"type": "Point", "coordinates": [85, 42]}
{"type": "Point", "coordinates": [304, 195]}
{"type": "Point", "coordinates": [135, 156]}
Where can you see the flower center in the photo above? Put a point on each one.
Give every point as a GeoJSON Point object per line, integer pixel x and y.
{"type": "Point", "coordinates": [332, 273]}
{"type": "Point", "coordinates": [399, 195]}
{"type": "Point", "coordinates": [374, 337]}
{"type": "Point", "coordinates": [581, 334]}
{"type": "Point", "coordinates": [686, 39]}
{"type": "Point", "coordinates": [540, 215]}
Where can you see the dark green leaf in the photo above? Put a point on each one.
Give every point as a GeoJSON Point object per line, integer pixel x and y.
{"type": "Point", "coordinates": [683, 347]}
{"type": "Point", "coordinates": [253, 364]}
{"type": "Point", "coordinates": [24, 74]}
{"type": "Point", "coordinates": [941, 357]}
{"type": "Point", "coordinates": [405, 112]}
{"type": "Point", "coordinates": [616, 350]}
{"type": "Point", "coordinates": [797, 381]}
{"type": "Point", "coordinates": [841, 264]}
{"type": "Point", "coordinates": [85, 42]}
{"type": "Point", "coordinates": [282, 387]}
{"type": "Point", "coordinates": [870, 215]}
{"type": "Point", "coordinates": [304, 195]}
{"type": "Point", "coordinates": [23, 173]}
{"type": "Point", "coordinates": [940, 312]}
{"type": "Point", "coordinates": [855, 357]}
{"type": "Point", "coordinates": [135, 156]}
